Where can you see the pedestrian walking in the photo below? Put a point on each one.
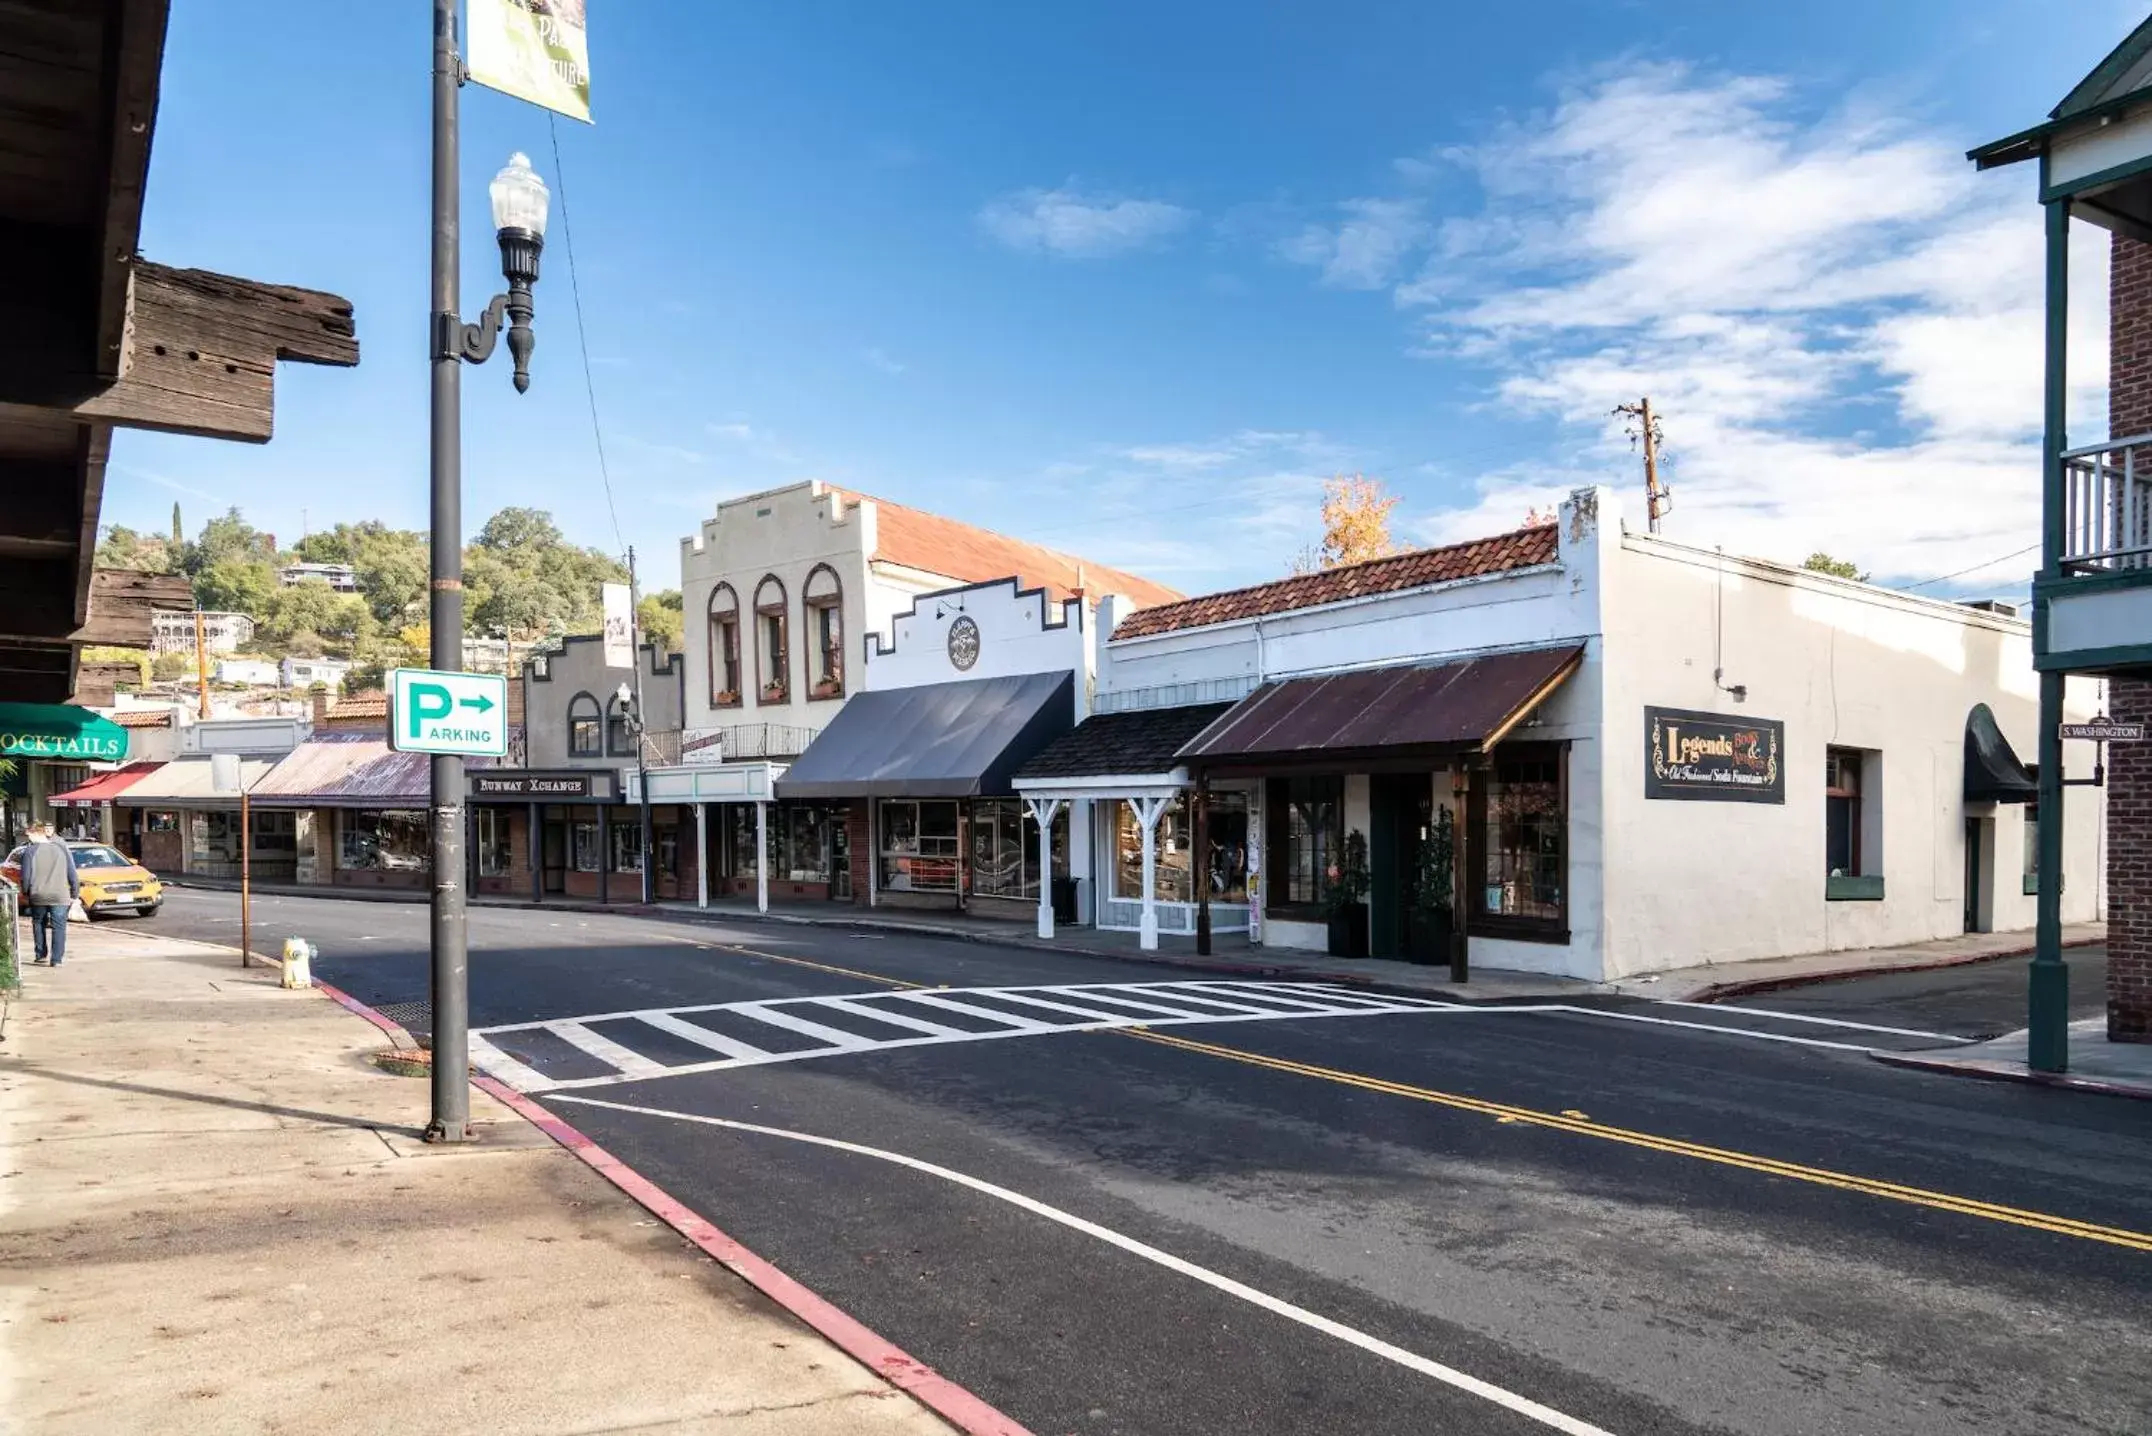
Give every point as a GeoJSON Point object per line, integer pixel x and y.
{"type": "Point", "coordinates": [50, 886]}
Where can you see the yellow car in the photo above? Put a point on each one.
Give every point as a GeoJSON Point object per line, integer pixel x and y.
{"type": "Point", "coordinates": [111, 882]}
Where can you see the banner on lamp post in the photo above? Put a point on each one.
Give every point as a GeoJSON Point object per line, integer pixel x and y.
{"type": "Point", "coordinates": [536, 50]}
{"type": "Point", "coordinates": [619, 626]}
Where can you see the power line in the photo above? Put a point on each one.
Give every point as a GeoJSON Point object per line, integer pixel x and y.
{"type": "Point", "coordinates": [1945, 578]}
{"type": "Point", "coordinates": [582, 335]}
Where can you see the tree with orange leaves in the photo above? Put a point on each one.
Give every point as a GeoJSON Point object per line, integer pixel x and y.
{"type": "Point", "coordinates": [1356, 525]}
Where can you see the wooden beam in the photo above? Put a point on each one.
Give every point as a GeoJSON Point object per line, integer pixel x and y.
{"type": "Point", "coordinates": [42, 517]}
{"type": "Point", "coordinates": [202, 355]}
{"type": "Point", "coordinates": [134, 63]}
{"type": "Point", "coordinates": [97, 684]}
{"type": "Point", "coordinates": [36, 605]}
{"type": "Point", "coordinates": [35, 674]}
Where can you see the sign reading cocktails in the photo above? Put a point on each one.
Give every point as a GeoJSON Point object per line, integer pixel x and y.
{"type": "Point", "coordinates": [1713, 757]}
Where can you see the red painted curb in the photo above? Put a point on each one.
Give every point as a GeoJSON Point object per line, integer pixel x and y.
{"type": "Point", "coordinates": [2060, 1080]}
{"type": "Point", "coordinates": [946, 1399]}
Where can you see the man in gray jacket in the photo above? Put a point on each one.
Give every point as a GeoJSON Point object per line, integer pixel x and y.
{"type": "Point", "coordinates": [50, 886]}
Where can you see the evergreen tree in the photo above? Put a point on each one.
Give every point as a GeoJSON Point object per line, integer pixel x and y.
{"type": "Point", "coordinates": [179, 534]}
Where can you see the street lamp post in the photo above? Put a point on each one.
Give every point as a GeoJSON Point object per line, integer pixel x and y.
{"type": "Point", "coordinates": [631, 709]}
{"type": "Point", "coordinates": [519, 213]}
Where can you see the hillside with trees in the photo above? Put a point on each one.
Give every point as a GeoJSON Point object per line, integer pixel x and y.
{"type": "Point", "coordinates": [523, 581]}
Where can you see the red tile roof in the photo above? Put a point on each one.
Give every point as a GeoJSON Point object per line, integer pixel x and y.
{"type": "Point", "coordinates": [933, 544]}
{"type": "Point", "coordinates": [143, 718]}
{"type": "Point", "coordinates": [1523, 548]}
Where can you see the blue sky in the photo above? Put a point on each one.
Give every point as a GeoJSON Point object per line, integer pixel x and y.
{"type": "Point", "coordinates": [1132, 279]}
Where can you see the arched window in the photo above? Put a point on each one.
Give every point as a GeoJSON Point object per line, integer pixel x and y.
{"type": "Point", "coordinates": [619, 742]}
{"type": "Point", "coordinates": [584, 735]}
{"type": "Point", "coordinates": [823, 599]}
{"type": "Point", "coordinates": [724, 647]}
{"type": "Point", "coordinates": [773, 661]}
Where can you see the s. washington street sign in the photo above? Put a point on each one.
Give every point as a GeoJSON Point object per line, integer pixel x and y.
{"type": "Point", "coordinates": [462, 714]}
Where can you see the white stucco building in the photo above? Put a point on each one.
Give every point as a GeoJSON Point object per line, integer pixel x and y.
{"type": "Point", "coordinates": [1651, 755]}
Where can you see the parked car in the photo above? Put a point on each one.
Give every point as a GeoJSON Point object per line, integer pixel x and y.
{"type": "Point", "coordinates": [112, 883]}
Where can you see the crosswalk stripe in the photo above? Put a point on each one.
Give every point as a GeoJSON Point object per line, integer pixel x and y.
{"type": "Point", "coordinates": [490, 1059]}
{"type": "Point", "coordinates": [1093, 1013]}
{"type": "Point", "coordinates": [703, 1036]}
{"type": "Point", "coordinates": [933, 999]}
{"type": "Point", "coordinates": [836, 1037]}
{"type": "Point", "coordinates": [627, 1059]}
{"type": "Point", "coordinates": [879, 1011]}
{"type": "Point", "coordinates": [1249, 1002]}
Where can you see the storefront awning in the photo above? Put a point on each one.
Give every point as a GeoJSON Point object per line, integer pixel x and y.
{"type": "Point", "coordinates": [191, 783]}
{"type": "Point", "coordinates": [61, 731]}
{"type": "Point", "coordinates": [104, 787]}
{"type": "Point", "coordinates": [1464, 706]}
{"type": "Point", "coordinates": [1993, 773]}
{"type": "Point", "coordinates": [941, 740]}
{"type": "Point", "coordinates": [346, 770]}
{"type": "Point", "coordinates": [1112, 751]}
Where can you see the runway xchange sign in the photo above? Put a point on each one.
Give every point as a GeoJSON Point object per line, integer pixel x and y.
{"type": "Point", "coordinates": [1713, 758]}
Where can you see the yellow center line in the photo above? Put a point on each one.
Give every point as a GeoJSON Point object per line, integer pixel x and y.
{"type": "Point", "coordinates": [1769, 1166]}
{"type": "Point", "coordinates": [1581, 1126]}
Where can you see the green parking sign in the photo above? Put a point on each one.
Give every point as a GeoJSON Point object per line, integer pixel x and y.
{"type": "Point", "coordinates": [463, 714]}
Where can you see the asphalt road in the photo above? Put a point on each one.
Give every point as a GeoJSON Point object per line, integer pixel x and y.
{"type": "Point", "coordinates": [1608, 1218]}
{"type": "Point", "coordinates": [1982, 999]}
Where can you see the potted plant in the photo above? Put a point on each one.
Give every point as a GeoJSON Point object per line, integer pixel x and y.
{"type": "Point", "coordinates": [1348, 899]}
{"type": "Point", "coordinates": [1433, 892]}
{"type": "Point", "coordinates": [827, 688]}
{"type": "Point", "coordinates": [773, 692]}
{"type": "Point", "coordinates": [730, 698]}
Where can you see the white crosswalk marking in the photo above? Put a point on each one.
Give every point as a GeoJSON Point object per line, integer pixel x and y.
{"type": "Point", "coordinates": [555, 1054]}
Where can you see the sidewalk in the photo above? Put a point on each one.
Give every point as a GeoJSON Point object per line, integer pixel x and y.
{"type": "Point", "coordinates": [1232, 955]}
{"type": "Point", "coordinates": [2121, 1069]}
{"type": "Point", "coordinates": [216, 1216]}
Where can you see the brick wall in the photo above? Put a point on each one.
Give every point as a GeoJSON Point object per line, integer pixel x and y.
{"type": "Point", "coordinates": [2129, 765]}
{"type": "Point", "coordinates": [861, 851]}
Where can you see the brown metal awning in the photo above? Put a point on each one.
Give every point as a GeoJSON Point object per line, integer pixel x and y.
{"type": "Point", "coordinates": [1378, 714]}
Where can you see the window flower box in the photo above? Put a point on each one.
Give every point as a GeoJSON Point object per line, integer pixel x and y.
{"type": "Point", "coordinates": [827, 688]}
{"type": "Point", "coordinates": [730, 698]}
{"type": "Point", "coordinates": [773, 692]}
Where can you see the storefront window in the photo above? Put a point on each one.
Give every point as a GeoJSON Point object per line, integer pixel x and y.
{"type": "Point", "coordinates": [164, 822]}
{"type": "Point", "coordinates": [668, 846]}
{"type": "Point", "coordinates": [919, 851]}
{"type": "Point", "coordinates": [1228, 865]}
{"type": "Point", "coordinates": [1307, 818]}
{"type": "Point", "coordinates": [1520, 833]}
{"type": "Point", "coordinates": [493, 850]}
{"type": "Point", "coordinates": [742, 860]}
{"type": "Point", "coordinates": [586, 847]}
{"type": "Point", "coordinates": [382, 841]}
{"type": "Point", "coordinates": [803, 842]}
{"type": "Point", "coordinates": [1004, 856]}
{"type": "Point", "coordinates": [627, 847]}
{"type": "Point", "coordinates": [213, 837]}
{"type": "Point", "coordinates": [2032, 848]}
{"type": "Point", "coordinates": [1842, 812]}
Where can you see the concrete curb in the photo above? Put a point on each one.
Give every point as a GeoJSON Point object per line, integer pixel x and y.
{"type": "Point", "coordinates": [954, 1404]}
{"type": "Point", "coordinates": [1749, 987]}
{"type": "Point", "coordinates": [2024, 1076]}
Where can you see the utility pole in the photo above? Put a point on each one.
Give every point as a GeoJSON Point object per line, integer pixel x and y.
{"type": "Point", "coordinates": [451, 957]}
{"type": "Point", "coordinates": [642, 767]}
{"type": "Point", "coordinates": [1657, 501]}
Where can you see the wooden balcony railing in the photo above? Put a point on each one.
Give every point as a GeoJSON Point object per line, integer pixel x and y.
{"type": "Point", "coordinates": [2107, 507]}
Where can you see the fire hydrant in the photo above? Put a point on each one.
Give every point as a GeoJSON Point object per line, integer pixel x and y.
{"type": "Point", "coordinates": [298, 962]}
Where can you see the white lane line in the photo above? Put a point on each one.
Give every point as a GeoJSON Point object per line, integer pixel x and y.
{"type": "Point", "coordinates": [836, 1037]}
{"type": "Point", "coordinates": [1698, 1026]}
{"type": "Point", "coordinates": [606, 1050]}
{"type": "Point", "coordinates": [1412, 1361]}
{"type": "Point", "coordinates": [1821, 1021]}
{"type": "Point", "coordinates": [703, 1036]}
{"type": "Point", "coordinates": [496, 1063]}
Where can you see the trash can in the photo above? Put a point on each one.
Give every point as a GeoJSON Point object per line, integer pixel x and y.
{"type": "Point", "coordinates": [1065, 900]}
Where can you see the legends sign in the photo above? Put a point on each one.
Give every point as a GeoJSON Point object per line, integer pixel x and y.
{"type": "Point", "coordinates": [1713, 757]}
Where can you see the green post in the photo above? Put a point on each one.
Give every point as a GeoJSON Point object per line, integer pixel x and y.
{"type": "Point", "coordinates": [2047, 1036]}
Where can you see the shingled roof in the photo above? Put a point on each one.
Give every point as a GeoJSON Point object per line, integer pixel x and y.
{"type": "Point", "coordinates": [1139, 741]}
{"type": "Point", "coordinates": [1522, 548]}
{"type": "Point", "coordinates": [931, 543]}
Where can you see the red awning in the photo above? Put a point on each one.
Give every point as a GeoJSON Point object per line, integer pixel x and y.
{"type": "Point", "coordinates": [1465, 705]}
{"type": "Point", "coordinates": [104, 787]}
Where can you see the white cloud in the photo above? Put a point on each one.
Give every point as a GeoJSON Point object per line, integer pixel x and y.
{"type": "Point", "coordinates": [1366, 248]}
{"type": "Point", "coordinates": [1838, 320]}
{"type": "Point", "coordinates": [757, 441]}
{"type": "Point", "coordinates": [880, 359]}
{"type": "Point", "coordinates": [1074, 225]}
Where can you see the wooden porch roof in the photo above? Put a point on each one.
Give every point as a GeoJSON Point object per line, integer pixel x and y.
{"type": "Point", "coordinates": [93, 337]}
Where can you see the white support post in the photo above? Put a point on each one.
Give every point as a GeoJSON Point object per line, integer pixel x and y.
{"type": "Point", "coordinates": [1043, 811]}
{"type": "Point", "coordinates": [702, 855]}
{"type": "Point", "coordinates": [1148, 811]}
{"type": "Point", "coordinates": [762, 857]}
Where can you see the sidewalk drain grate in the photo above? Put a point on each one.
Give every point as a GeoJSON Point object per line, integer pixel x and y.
{"type": "Point", "coordinates": [413, 1017]}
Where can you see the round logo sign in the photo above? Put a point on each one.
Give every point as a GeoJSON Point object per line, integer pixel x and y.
{"type": "Point", "coordinates": [964, 642]}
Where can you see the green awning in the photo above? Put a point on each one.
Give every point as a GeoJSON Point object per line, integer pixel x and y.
{"type": "Point", "coordinates": [56, 730]}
